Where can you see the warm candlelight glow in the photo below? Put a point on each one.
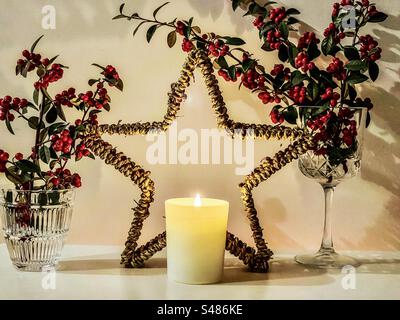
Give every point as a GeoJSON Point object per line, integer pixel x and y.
{"type": "Point", "coordinates": [197, 201]}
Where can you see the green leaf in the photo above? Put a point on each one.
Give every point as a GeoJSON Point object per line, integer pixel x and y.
{"type": "Point", "coordinates": [283, 28]}
{"type": "Point", "coordinates": [327, 45]}
{"type": "Point", "coordinates": [138, 27]}
{"type": "Point", "coordinates": [13, 177]}
{"type": "Point", "coordinates": [373, 70]}
{"type": "Point", "coordinates": [290, 115]}
{"type": "Point", "coordinates": [57, 127]}
{"type": "Point", "coordinates": [232, 72]}
{"type": "Point", "coordinates": [121, 8]}
{"type": "Point", "coordinates": [92, 82]}
{"type": "Point", "coordinates": [51, 116]}
{"type": "Point", "coordinates": [378, 17]}
{"type": "Point", "coordinates": [186, 31]}
{"type": "Point", "coordinates": [248, 64]}
{"type": "Point", "coordinates": [43, 134]}
{"type": "Point", "coordinates": [53, 59]}
{"type": "Point", "coordinates": [356, 77]}
{"type": "Point", "coordinates": [171, 38]}
{"type": "Point", "coordinates": [158, 9]}
{"type": "Point", "coordinates": [91, 156]}
{"type": "Point", "coordinates": [292, 54]}
{"type": "Point", "coordinates": [33, 122]}
{"type": "Point", "coordinates": [292, 20]}
{"type": "Point", "coordinates": [150, 32]}
{"type": "Point", "coordinates": [35, 43]}
{"type": "Point", "coordinates": [28, 166]}
{"type": "Point", "coordinates": [292, 11]}
{"type": "Point", "coordinates": [120, 16]}
{"type": "Point", "coordinates": [283, 53]}
{"type": "Point", "coordinates": [40, 72]}
{"type": "Point", "coordinates": [36, 96]}
{"type": "Point", "coordinates": [234, 41]}
{"type": "Point", "coordinates": [53, 154]}
{"type": "Point", "coordinates": [222, 62]}
{"type": "Point", "coordinates": [61, 113]}
{"type": "Point", "coordinates": [313, 51]}
{"type": "Point", "coordinates": [9, 127]}
{"type": "Point", "coordinates": [120, 85]}
{"type": "Point", "coordinates": [235, 4]}
{"type": "Point", "coordinates": [351, 53]}
{"type": "Point", "coordinates": [313, 90]}
{"type": "Point", "coordinates": [352, 93]}
{"type": "Point", "coordinates": [44, 92]}
{"type": "Point", "coordinates": [267, 47]}
{"type": "Point", "coordinates": [44, 154]}
{"type": "Point", "coordinates": [356, 65]}
{"type": "Point", "coordinates": [98, 66]}
{"type": "Point", "coordinates": [298, 77]}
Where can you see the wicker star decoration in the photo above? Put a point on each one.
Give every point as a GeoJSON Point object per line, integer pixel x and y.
{"type": "Point", "coordinates": [135, 256]}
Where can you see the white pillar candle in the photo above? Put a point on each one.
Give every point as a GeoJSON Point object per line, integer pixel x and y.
{"type": "Point", "coordinates": [196, 236]}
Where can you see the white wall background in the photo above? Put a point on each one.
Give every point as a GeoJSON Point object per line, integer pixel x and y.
{"type": "Point", "coordinates": [367, 208]}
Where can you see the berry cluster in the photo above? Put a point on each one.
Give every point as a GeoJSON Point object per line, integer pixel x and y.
{"type": "Point", "coordinates": [267, 97]}
{"type": "Point", "coordinates": [90, 99]}
{"type": "Point", "coordinates": [259, 22]}
{"type": "Point", "coordinates": [274, 39]}
{"type": "Point", "coordinates": [7, 104]}
{"type": "Point", "coordinates": [277, 15]}
{"type": "Point", "coordinates": [336, 68]}
{"type": "Point", "coordinates": [334, 32]}
{"type": "Point", "coordinates": [333, 97]}
{"type": "Point", "coordinates": [224, 74]}
{"type": "Point", "coordinates": [276, 116]}
{"type": "Point", "coordinates": [64, 98]}
{"type": "Point", "coordinates": [81, 151]}
{"type": "Point", "coordinates": [307, 39]}
{"type": "Point", "coordinates": [369, 48]}
{"type": "Point", "coordinates": [218, 48]}
{"type": "Point", "coordinates": [298, 94]}
{"type": "Point", "coordinates": [110, 73]}
{"type": "Point", "coordinates": [63, 179]}
{"type": "Point", "coordinates": [302, 61]}
{"type": "Point", "coordinates": [187, 45]}
{"type": "Point", "coordinates": [349, 131]}
{"type": "Point", "coordinates": [251, 79]}
{"type": "Point", "coordinates": [33, 59]}
{"type": "Point", "coordinates": [62, 142]}
{"type": "Point", "coordinates": [280, 69]}
{"type": "Point", "coordinates": [53, 74]}
{"type": "Point", "coordinates": [4, 156]}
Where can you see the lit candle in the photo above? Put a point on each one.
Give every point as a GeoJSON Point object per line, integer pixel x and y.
{"type": "Point", "coordinates": [196, 236]}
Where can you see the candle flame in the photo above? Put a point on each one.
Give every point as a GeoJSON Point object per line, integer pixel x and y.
{"type": "Point", "coordinates": [197, 201]}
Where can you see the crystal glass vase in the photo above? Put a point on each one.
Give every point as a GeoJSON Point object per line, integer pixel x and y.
{"type": "Point", "coordinates": [35, 225]}
{"type": "Point", "coordinates": [338, 138]}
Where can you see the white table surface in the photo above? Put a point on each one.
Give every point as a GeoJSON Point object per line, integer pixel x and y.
{"type": "Point", "coordinates": [94, 272]}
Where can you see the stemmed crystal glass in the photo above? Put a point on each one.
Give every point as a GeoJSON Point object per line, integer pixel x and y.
{"type": "Point", "coordinates": [338, 137]}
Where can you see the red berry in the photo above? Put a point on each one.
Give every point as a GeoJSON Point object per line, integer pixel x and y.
{"type": "Point", "coordinates": [19, 156]}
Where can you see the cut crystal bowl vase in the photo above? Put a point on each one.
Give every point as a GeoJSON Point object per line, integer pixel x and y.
{"type": "Point", "coordinates": [35, 225]}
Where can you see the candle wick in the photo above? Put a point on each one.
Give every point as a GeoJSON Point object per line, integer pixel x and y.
{"type": "Point", "coordinates": [197, 201]}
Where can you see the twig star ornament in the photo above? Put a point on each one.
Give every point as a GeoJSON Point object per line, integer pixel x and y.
{"type": "Point", "coordinates": [256, 258]}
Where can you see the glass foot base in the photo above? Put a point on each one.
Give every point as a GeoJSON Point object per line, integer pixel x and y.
{"type": "Point", "coordinates": [327, 259]}
{"type": "Point", "coordinates": [36, 267]}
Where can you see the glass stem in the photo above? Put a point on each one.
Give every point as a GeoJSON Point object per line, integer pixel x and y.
{"type": "Point", "coordinates": [327, 243]}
